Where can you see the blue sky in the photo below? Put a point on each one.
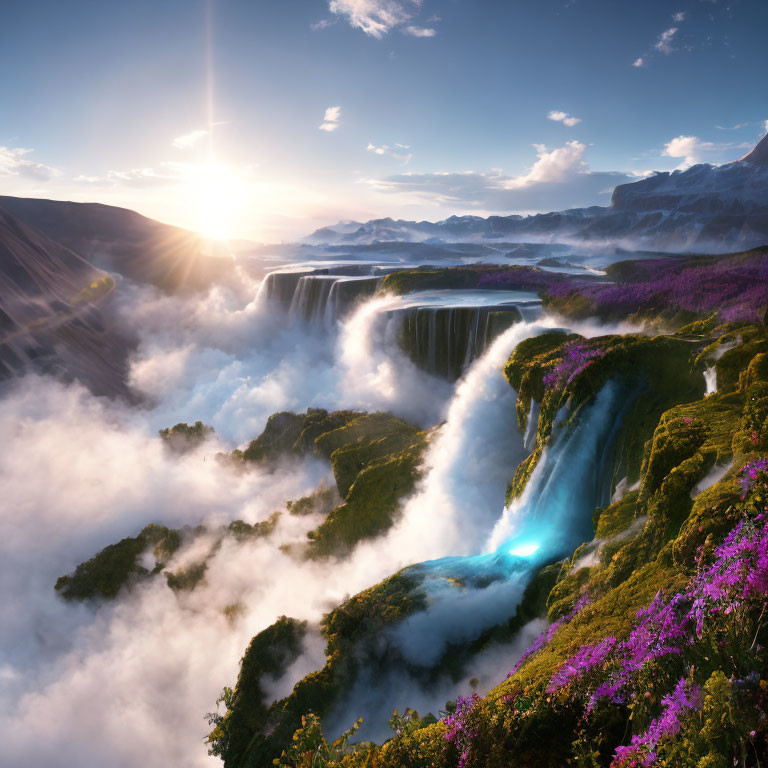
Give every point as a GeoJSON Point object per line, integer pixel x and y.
{"type": "Point", "coordinates": [208, 113]}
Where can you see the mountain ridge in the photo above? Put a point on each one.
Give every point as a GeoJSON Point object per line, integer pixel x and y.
{"type": "Point", "coordinates": [716, 208]}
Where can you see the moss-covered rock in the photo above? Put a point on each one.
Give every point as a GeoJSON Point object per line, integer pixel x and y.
{"type": "Point", "coordinates": [373, 500]}
{"type": "Point", "coordinates": [352, 632]}
{"type": "Point", "coordinates": [268, 654]}
{"type": "Point", "coordinates": [181, 437]}
{"type": "Point", "coordinates": [292, 434]}
{"type": "Point", "coordinates": [657, 372]}
{"type": "Point", "coordinates": [115, 565]}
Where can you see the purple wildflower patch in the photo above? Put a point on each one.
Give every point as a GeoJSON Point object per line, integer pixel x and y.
{"type": "Point", "coordinates": [577, 357]}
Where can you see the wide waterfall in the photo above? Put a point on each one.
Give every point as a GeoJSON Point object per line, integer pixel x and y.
{"type": "Point", "coordinates": [321, 296]}
{"type": "Point", "coordinates": [445, 340]}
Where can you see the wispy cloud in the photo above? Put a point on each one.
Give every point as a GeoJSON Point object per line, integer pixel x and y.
{"type": "Point", "coordinates": [638, 62]}
{"type": "Point", "coordinates": [765, 126]}
{"type": "Point", "coordinates": [331, 119]}
{"type": "Point", "coordinates": [736, 127]}
{"type": "Point", "coordinates": [188, 140]}
{"type": "Point", "coordinates": [379, 17]}
{"type": "Point", "coordinates": [678, 17]}
{"type": "Point", "coordinates": [322, 24]}
{"type": "Point", "coordinates": [14, 162]}
{"type": "Point", "coordinates": [414, 31]}
{"type": "Point", "coordinates": [136, 177]}
{"type": "Point", "coordinates": [384, 149]}
{"type": "Point", "coordinates": [666, 38]}
{"type": "Point", "coordinates": [564, 118]}
{"type": "Point", "coordinates": [560, 178]}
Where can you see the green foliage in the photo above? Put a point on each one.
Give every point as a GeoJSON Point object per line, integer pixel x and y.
{"type": "Point", "coordinates": [106, 572]}
{"type": "Point", "coordinates": [185, 437]}
{"type": "Point", "coordinates": [252, 733]}
{"type": "Point", "coordinates": [320, 501]}
{"type": "Point", "coordinates": [373, 499]}
{"type": "Point", "coordinates": [269, 653]}
{"type": "Point", "coordinates": [292, 434]}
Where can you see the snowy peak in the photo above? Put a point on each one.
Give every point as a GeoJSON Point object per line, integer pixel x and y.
{"type": "Point", "coordinates": [759, 155]}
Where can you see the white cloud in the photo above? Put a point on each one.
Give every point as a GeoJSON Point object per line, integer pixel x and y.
{"type": "Point", "coordinates": [414, 31]}
{"type": "Point", "coordinates": [14, 162]}
{"type": "Point", "coordinates": [765, 126]}
{"type": "Point", "coordinates": [322, 24]}
{"type": "Point", "coordinates": [638, 62]}
{"type": "Point", "coordinates": [188, 140]}
{"type": "Point", "coordinates": [691, 149]}
{"type": "Point", "coordinates": [560, 178]}
{"type": "Point", "coordinates": [564, 118]}
{"type": "Point", "coordinates": [687, 147]}
{"type": "Point", "coordinates": [385, 149]}
{"type": "Point", "coordinates": [679, 16]}
{"type": "Point", "coordinates": [376, 17]}
{"type": "Point", "coordinates": [331, 119]}
{"type": "Point", "coordinates": [136, 177]}
{"type": "Point", "coordinates": [552, 165]}
{"type": "Point", "coordinates": [736, 127]}
{"type": "Point", "coordinates": [664, 43]}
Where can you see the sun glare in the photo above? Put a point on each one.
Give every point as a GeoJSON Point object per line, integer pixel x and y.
{"type": "Point", "coordinates": [218, 197]}
{"type": "Point", "coordinates": [524, 550]}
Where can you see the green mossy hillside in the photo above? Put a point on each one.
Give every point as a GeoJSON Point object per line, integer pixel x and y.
{"type": "Point", "coordinates": [118, 565]}
{"type": "Point", "coordinates": [181, 437]}
{"type": "Point", "coordinates": [652, 540]}
{"type": "Point", "coordinates": [105, 573]}
{"type": "Point", "coordinates": [294, 434]}
{"type": "Point", "coordinates": [656, 373]}
{"type": "Point", "coordinates": [513, 277]}
{"type": "Point", "coordinates": [375, 459]}
{"type": "Point", "coordinates": [249, 734]}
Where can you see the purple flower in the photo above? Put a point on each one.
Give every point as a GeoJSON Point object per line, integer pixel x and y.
{"type": "Point", "coordinates": [586, 658]}
{"type": "Point", "coordinates": [460, 733]}
{"type": "Point", "coordinates": [577, 357]}
{"type": "Point", "coordinates": [685, 698]}
{"type": "Point", "coordinates": [750, 473]}
{"type": "Point", "coordinates": [546, 636]}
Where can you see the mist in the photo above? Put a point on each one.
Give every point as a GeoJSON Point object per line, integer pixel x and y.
{"type": "Point", "coordinates": [79, 682]}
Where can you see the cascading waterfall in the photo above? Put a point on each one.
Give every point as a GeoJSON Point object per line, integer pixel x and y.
{"type": "Point", "coordinates": [319, 297]}
{"type": "Point", "coordinates": [446, 340]}
{"type": "Point", "coordinates": [456, 507]}
{"type": "Point", "coordinates": [310, 298]}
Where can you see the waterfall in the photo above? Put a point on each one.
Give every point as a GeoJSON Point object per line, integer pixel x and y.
{"type": "Point", "coordinates": [346, 293]}
{"type": "Point", "coordinates": [320, 296]}
{"type": "Point", "coordinates": [554, 513]}
{"type": "Point", "coordinates": [710, 378]}
{"type": "Point", "coordinates": [310, 298]}
{"type": "Point", "coordinates": [280, 287]}
{"type": "Point", "coordinates": [446, 340]}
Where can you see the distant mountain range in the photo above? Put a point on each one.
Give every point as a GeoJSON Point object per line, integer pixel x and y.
{"type": "Point", "coordinates": [714, 208]}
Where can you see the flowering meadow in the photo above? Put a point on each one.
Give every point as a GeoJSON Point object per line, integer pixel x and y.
{"type": "Point", "coordinates": [735, 288]}
{"type": "Point", "coordinates": [688, 680]}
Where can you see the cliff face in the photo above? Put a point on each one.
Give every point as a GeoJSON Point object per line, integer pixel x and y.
{"type": "Point", "coordinates": [734, 189]}
{"type": "Point", "coordinates": [55, 314]}
{"type": "Point", "coordinates": [126, 242]}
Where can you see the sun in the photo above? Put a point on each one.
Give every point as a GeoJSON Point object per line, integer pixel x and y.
{"type": "Point", "coordinates": [218, 198]}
